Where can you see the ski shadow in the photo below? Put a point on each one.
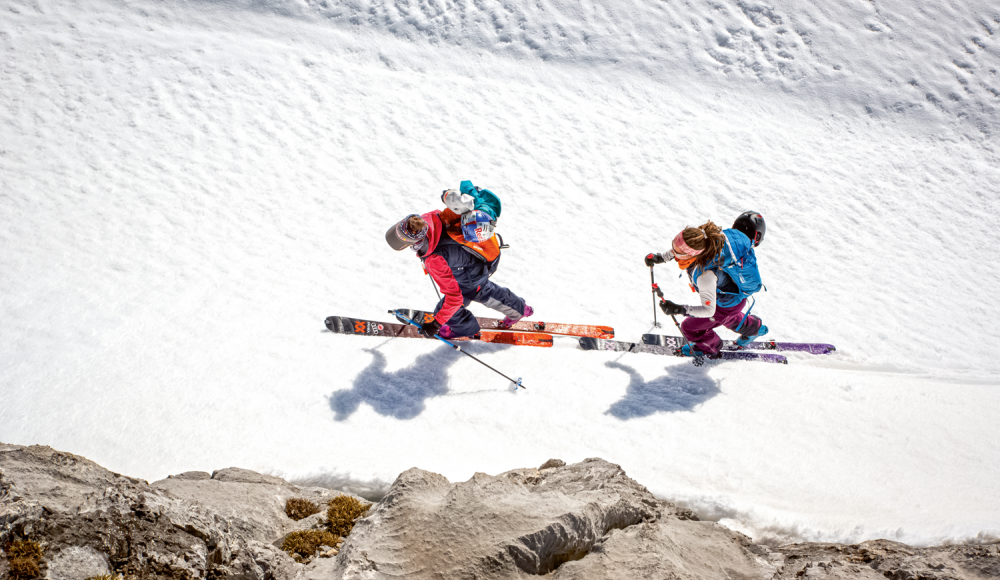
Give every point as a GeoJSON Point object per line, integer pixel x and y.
{"type": "Point", "coordinates": [683, 388]}
{"type": "Point", "coordinates": [401, 394]}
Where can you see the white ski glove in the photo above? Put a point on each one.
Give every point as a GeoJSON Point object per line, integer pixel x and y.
{"type": "Point", "coordinates": [457, 201]}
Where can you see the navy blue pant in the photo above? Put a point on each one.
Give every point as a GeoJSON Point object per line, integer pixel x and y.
{"type": "Point", "coordinates": [463, 322]}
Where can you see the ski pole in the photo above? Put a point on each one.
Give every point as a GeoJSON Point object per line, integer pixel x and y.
{"type": "Point", "coordinates": [655, 290]}
{"type": "Point", "coordinates": [517, 384]}
{"type": "Point", "coordinates": [428, 274]}
{"type": "Point", "coordinates": [658, 292]}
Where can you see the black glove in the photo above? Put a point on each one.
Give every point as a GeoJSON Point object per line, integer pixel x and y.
{"type": "Point", "coordinates": [670, 309]}
{"type": "Point", "coordinates": [653, 259]}
{"type": "Point", "coordinates": [431, 327]}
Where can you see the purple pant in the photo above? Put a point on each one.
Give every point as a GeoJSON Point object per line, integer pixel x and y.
{"type": "Point", "coordinates": [701, 331]}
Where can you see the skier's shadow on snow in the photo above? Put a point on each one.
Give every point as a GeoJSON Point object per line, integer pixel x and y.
{"type": "Point", "coordinates": [682, 389]}
{"type": "Point", "coordinates": [400, 394]}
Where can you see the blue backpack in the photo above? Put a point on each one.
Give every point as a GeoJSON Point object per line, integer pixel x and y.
{"type": "Point", "coordinates": [736, 268]}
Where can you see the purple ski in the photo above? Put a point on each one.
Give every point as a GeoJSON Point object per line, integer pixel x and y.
{"type": "Point", "coordinates": [675, 342]}
{"type": "Point", "coordinates": [620, 346]}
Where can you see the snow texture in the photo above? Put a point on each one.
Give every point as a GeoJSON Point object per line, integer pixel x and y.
{"type": "Point", "coordinates": [188, 188]}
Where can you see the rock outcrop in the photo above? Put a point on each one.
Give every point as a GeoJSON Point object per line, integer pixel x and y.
{"type": "Point", "coordinates": [880, 559]}
{"type": "Point", "coordinates": [92, 522]}
{"type": "Point", "coordinates": [584, 521]}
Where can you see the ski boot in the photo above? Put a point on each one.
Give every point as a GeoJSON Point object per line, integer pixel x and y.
{"type": "Point", "coordinates": [507, 322]}
{"type": "Point", "coordinates": [744, 340]}
{"type": "Point", "coordinates": [690, 350]}
{"type": "Point", "coordinates": [446, 332]}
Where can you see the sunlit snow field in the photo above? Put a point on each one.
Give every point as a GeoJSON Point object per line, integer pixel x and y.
{"type": "Point", "coordinates": [188, 188]}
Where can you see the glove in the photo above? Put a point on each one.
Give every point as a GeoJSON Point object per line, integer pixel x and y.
{"type": "Point", "coordinates": [670, 309]}
{"type": "Point", "coordinates": [653, 259]}
{"type": "Point", "coordinates": [431, 327]}
{"type": "Point", "coordinates": [457, 202]}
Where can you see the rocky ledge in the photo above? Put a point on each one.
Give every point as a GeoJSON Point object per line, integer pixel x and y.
{"type": "Point", "coordinates": [63, 517]}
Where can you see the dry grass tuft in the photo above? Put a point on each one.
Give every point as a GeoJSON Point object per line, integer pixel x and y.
{"type": "Point", "coordinates": [24, 559]}
{"type": "Point", "coordinates": [343, 511]}
{"type": "Point", "coordinates": [299, 509]}
{"type": "Point", "coordinates": [306, 543]}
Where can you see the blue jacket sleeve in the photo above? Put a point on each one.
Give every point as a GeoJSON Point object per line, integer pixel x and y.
{"type": "Point", "coordinates": [486, 200]}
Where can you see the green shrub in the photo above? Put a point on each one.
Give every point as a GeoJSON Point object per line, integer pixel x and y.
{"type": "Point", "coordinates": [298, 508]}
{"type": "Point", "coordinates": [306, 543]}
{"type": "Point", "coordinates": [343, 511]}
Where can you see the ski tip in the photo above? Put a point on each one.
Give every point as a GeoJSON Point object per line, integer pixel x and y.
{"type": "Point", "coordinates": [333, 324]}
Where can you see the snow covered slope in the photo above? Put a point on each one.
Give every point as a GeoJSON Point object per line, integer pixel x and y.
{"type": "Point", "coordinates": [187, 189]}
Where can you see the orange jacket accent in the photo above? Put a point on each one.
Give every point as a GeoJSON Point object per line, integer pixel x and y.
{"type": "Point", "coordinates": [452, 222]}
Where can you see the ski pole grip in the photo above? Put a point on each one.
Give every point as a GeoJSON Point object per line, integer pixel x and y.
{"type": "Point", "coordinates": [408, 321]}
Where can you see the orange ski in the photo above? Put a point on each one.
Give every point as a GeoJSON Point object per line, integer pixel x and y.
{"type": "Point", "coordinates": [345, 325]}
{"type": "Point", "coordinates": [554, 328]}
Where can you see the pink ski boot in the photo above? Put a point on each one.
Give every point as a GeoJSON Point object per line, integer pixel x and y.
{"type": "Point", "coordinates": [507, 322]}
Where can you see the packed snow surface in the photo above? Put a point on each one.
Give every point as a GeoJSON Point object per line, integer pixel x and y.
{"type": "Point", "coordinates": [188, 188]}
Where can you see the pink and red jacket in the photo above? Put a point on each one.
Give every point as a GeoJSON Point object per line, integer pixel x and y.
{"type": "Point", "coordinates": [458, 267]}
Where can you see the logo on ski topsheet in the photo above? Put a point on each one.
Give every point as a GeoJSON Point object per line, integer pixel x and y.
{"type": "Point", "coordinates": [366, 327]}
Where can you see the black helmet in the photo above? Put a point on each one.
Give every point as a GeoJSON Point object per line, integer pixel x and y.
{"type": "Point", "coordinates": [751, 223]}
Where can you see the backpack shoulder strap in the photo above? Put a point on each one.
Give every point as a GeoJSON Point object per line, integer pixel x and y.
{"type": "Point", "coordinates": [730, 248]}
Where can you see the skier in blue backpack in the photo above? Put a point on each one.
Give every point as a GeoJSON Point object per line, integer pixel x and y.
{"type": "Point", "coordinates": [722, 268]}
